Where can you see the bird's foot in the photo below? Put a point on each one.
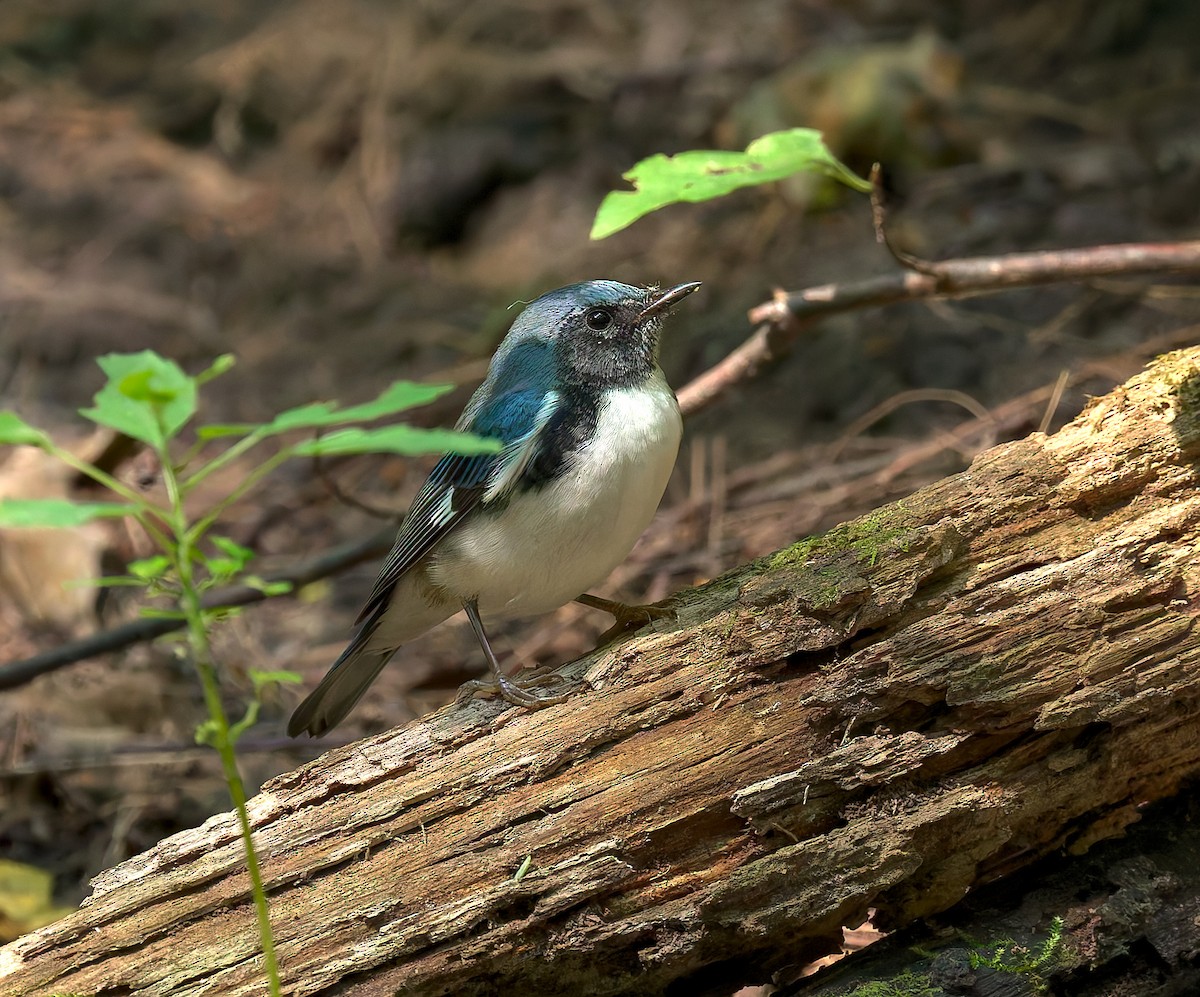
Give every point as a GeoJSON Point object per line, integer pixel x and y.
{"type": "Point", "coordinates": [519, 692]}
{"type": "Point", "coordinates": [626, 618]}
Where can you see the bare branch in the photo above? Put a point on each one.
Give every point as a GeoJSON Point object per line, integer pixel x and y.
{"type": "Point", "coordinates": [788, 314]}
{"type": "Point", "coordinates": [331, 562]}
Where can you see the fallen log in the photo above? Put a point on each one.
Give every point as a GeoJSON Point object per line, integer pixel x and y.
{"type": "Point", "coordinates": [999, 667]}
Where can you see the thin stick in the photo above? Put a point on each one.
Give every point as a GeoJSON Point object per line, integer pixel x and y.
{"type": "Point", "coordinates": [138, 631]}
{"type": "Point", "coordinates": [1060, 386]}
{"type": "Point", "coordinates": [787, 315]}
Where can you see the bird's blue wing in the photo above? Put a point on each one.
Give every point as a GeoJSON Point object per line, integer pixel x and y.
{"type": "Point", "coordinates": [459, 484]}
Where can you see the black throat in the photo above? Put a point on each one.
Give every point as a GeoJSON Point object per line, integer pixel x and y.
{"type": "Point", "coordinates": [569, 431]}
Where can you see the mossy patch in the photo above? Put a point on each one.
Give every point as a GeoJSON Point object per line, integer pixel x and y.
{"type": "Point", "coordinates": [904, 985]}
{"type": "Point", "coordinates": [1034, 962]}
{"type": "Point", "coordinates": [1006, 956]}
{"type": "Point", "coordinates": [866, 538]}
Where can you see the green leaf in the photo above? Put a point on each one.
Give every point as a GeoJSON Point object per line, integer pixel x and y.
{"type": "Point", "coordinates": [304, 417]}
{"type": "Point", "coordinates": [398, 397]}
{"type": "Point", "coordinates": [266, 587]}
{"type": "Point", "coordinates": [221, 569]}
{"type": "Point", "coordinates": [146, 397]}
{"type": "Point", "coordinates": [24, 513]}
{"type": "Point", "coordinates": [408, 440]}
{"type": "Point", "coordinates": [149, 568]}
{"type": "Point", "coordinates": [17, 432]}
{"type": "Point", "coordinates": [700, 175]}
{"type": "Point", "coordinates": [207, 732]}
{"type": "Point", "coordinates": [218, 367]}
{"type": "Point", "coordinates": [241, 556]}
{"type": "Point", "coordinates": [262, 679]}
{"type": "Point", "coordinates": [216, 432]}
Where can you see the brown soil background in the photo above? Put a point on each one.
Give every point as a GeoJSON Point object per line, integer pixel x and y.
{"type": "Point", "coordinates": [343, 193]}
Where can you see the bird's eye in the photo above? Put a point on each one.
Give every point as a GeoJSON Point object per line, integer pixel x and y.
{"type": "Point", "coordinates": [598, 319]}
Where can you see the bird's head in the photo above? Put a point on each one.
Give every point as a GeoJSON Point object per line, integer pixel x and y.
{"type": "Point", "coordinates": [602, 334]}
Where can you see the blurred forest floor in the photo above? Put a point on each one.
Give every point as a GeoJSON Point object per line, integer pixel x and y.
{"type": "Point", "coordinates": [345, 192]}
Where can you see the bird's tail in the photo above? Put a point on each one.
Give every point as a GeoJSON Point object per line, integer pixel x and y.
{"type": "Point", "coordinates": [328, 704]}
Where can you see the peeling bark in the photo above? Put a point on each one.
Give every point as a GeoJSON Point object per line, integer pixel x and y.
{"type": "Point", "coordinates": [999, 667]}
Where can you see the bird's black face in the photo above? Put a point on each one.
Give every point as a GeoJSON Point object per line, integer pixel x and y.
{"type": "Point", "coordinates": [609, 339]}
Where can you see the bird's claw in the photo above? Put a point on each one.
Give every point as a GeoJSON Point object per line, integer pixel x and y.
{"type": "Point", "coordinates": [626, 618]}
{"type": "Point", "coordinates": [632, 618]}
{"type": "Point", "coordinates": [518, 693]}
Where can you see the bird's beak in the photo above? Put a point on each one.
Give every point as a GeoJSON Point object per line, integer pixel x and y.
{"type": "Point", "coordinates": [664, 300]}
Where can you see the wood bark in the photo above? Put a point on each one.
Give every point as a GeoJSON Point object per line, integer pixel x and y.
{"type": "Point", "coordinates": [1000, 667]}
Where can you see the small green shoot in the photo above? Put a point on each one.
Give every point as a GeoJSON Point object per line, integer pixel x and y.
{"type": "Point", "coordinates": [152, 400]}
{"type": "Point", "coordinates": [261, 681]}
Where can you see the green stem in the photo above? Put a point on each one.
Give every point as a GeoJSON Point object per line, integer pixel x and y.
{"type": "Point", "coordinates": [99, 476]}
{"type": "Point", "coordinates": [201, 526]}
{"type": "Point", "coordinates": [181, 552]}
{"type": "Point", "coordinates": [232, 454]}
{"type": "Point", "coordinates": [191, 454]}
{"type": "Point", "coordinates": [144, 510]}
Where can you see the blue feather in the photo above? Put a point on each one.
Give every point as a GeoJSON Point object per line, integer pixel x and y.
{"type": "Point", "coordinates": [459, 484]}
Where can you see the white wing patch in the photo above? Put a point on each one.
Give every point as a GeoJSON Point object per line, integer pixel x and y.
{"type": "Point", "coordinates": [516, 456]}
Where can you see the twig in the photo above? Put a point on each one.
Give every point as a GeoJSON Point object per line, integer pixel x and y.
{"type": "Point", "coordinates": [129, 755]}
{"type": "Point", "coordinates": [107, 641]}
{"type": "Point", "coordinates": [1059, 387]}
{"type": "Point", "coordinates": [1007, 416]}
{"type": "Point", "coordinates": [879, 221]}
{"type": "Point", "coordinates": [321, 473]}
{"type": "Point", "coordinates": [889, 405]}
{"type": "Point", "coordinates": [788, 314]}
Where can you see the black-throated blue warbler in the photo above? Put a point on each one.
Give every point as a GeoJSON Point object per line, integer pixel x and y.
{"type": "Point", "coordinates": [591, 431]}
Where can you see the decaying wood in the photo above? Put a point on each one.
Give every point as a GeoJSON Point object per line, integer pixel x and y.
{"type": "Point", "coordinates": [1002, 665]}
{"type": "Point", "coordinates": [1120, 921]}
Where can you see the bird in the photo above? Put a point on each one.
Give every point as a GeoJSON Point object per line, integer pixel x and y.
{"type": "Point", "coordinates": [589, 432]}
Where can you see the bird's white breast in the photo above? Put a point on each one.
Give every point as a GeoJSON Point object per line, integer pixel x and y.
{"type": "Point", "coordinates": [552, 544]}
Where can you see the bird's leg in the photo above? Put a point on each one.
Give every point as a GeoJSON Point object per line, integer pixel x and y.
{"type": "Point", "coordinates": [510, 690]}
{"type": "Point", "coordinates": [628, 618]}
